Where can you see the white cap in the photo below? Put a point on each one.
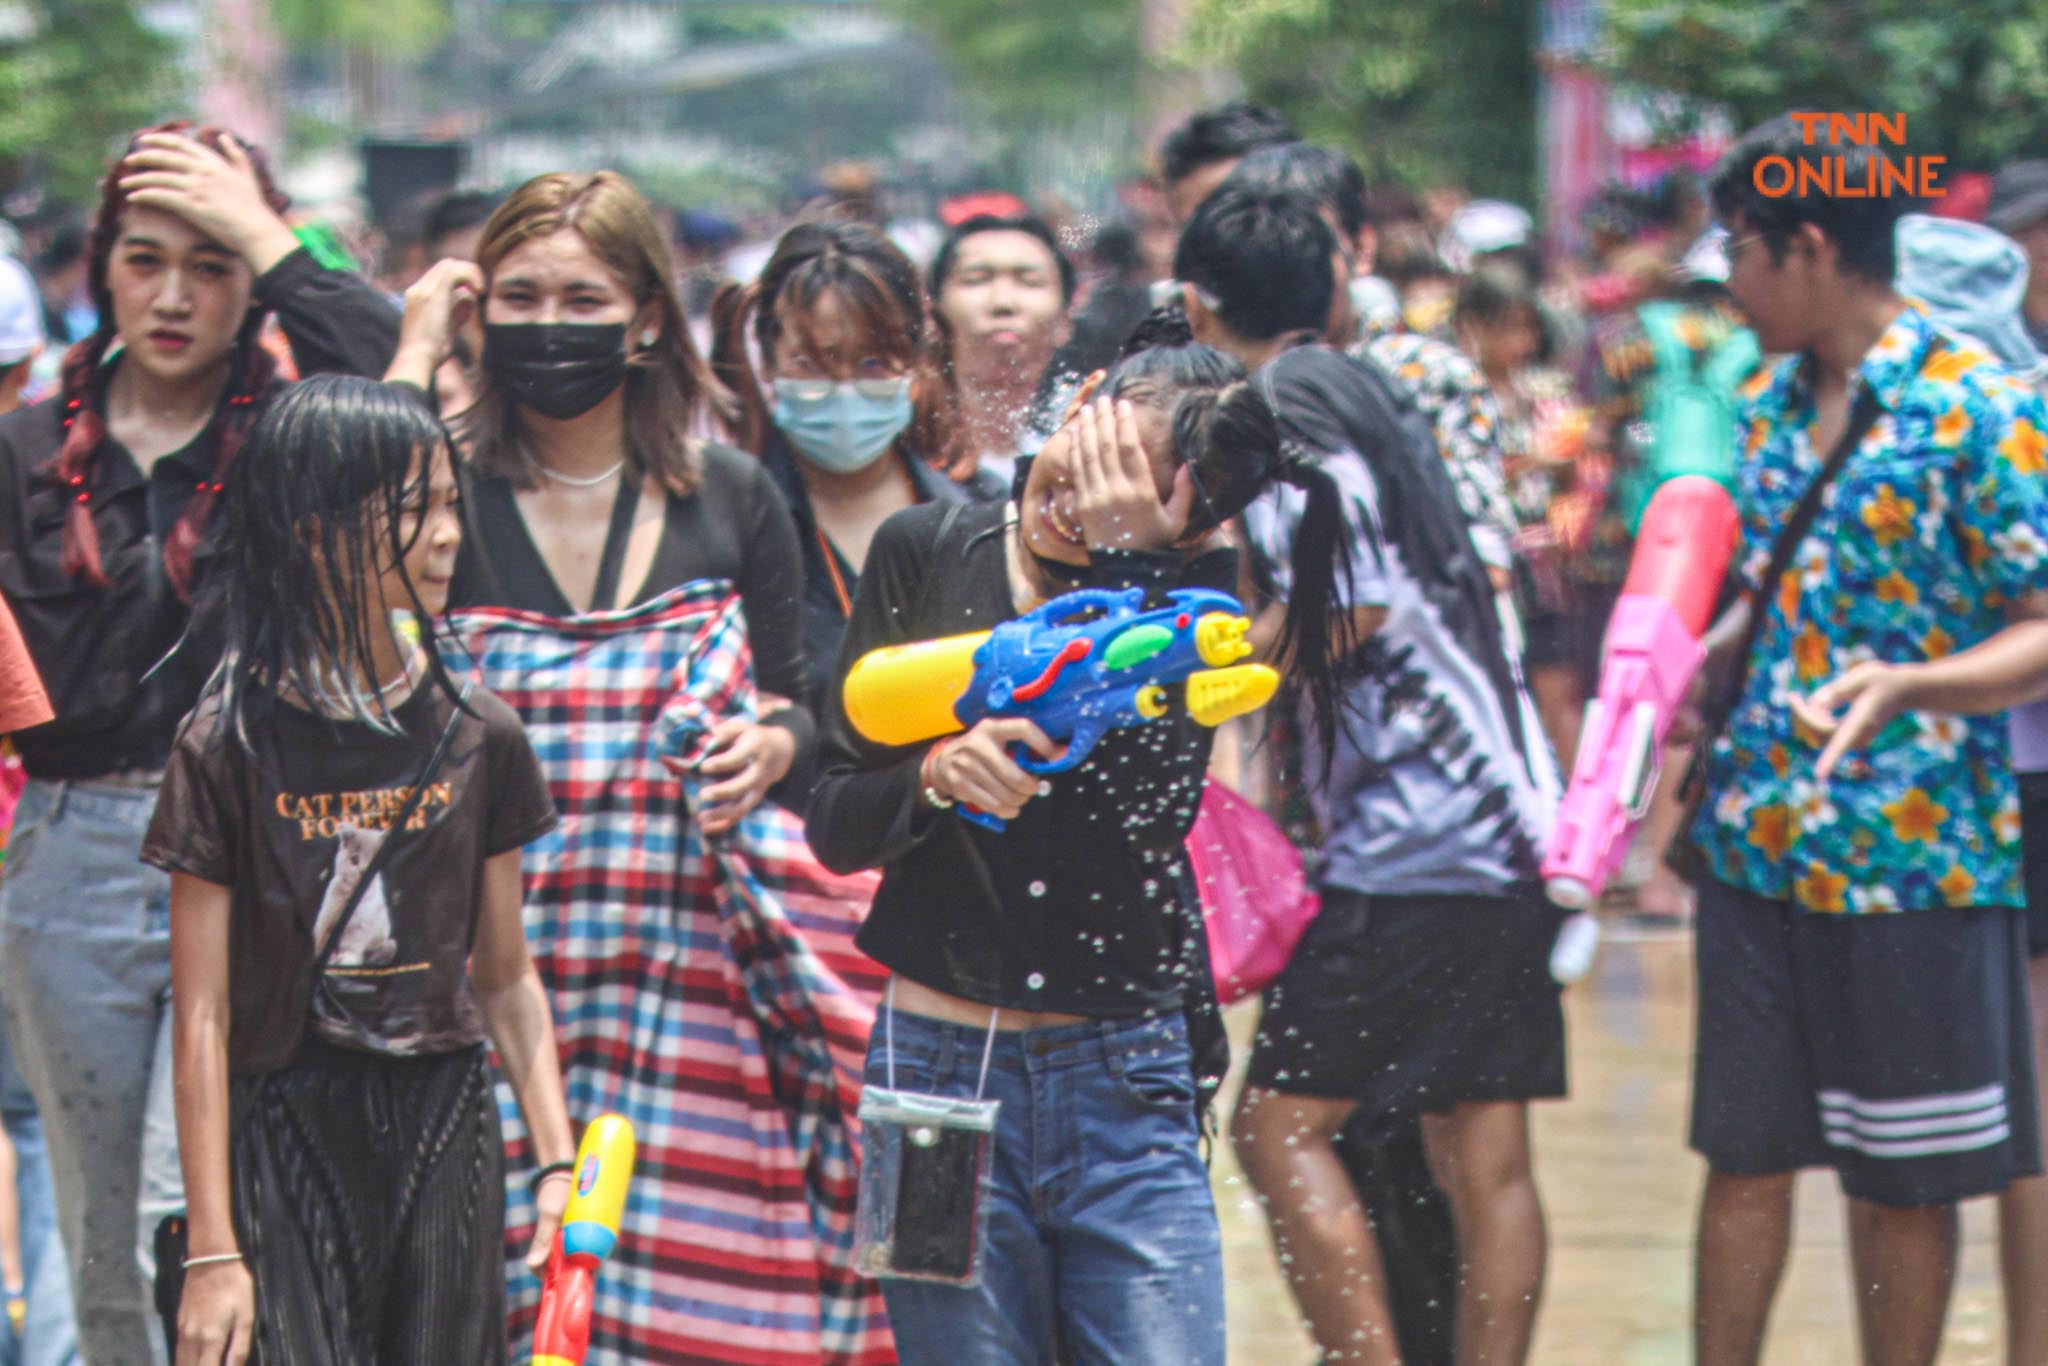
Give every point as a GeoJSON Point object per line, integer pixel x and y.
{"type": "Point", "coordinates": [21, 312]}
{"type": "Point", "coordinates": [1481, 226]}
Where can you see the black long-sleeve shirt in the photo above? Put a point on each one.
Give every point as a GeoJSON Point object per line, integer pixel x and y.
{"type": "Point", "coordinates": [827, 575]}
{"type": "Point", "coordinates": [1076, 907]}
{"type": "Point", "coordinates": [98, 649]}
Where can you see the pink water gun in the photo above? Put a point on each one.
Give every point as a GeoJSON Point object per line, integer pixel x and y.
{"type": "Point", "coordinates": [1652, 653]}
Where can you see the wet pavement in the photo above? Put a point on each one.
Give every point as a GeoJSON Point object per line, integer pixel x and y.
{"type": "Point", "coordinates": [1620, 1189]}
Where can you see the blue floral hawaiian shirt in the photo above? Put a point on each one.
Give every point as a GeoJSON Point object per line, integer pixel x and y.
{"type": "Point", "coordinates": [1937, 521]}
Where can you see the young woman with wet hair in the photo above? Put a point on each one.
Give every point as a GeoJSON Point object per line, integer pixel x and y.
{"type": "Point", "coordinates": [847, 412]}
{"type": "Point", "coordinates": [1063, 949]}
{"type": "Point", "coordinates": [342, 826]}
{"type": "Point", "coordinates": [107, 511]}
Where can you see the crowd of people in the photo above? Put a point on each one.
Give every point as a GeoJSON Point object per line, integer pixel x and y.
{"type": "Point", "coordinates": [425, 690]}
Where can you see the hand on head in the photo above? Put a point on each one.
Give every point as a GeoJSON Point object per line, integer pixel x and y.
{"type": "Point", "coordinates": [220, 193]}
{"type": "Point", "coordinates": [1117, 498]}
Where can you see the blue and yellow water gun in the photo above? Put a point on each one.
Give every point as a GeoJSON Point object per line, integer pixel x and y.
{"type": "Point", "coordinates": [1077, 667]}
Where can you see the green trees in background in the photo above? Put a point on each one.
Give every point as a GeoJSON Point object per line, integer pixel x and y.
{"type": "Point", "coordinates": [78, 75]}
{"type": "Point", "coordinates": [394, 28]}
{"type": "Point", "coordinates": [1970, 75]}
{"type": "Point", "coordinates": [1022, 61]}
{"type": "Point", "coordinates": [1447, 89]}
{"type": "Point", "coordinates": [1421, 90]}
{"type": "Point", "coordinates": [1417, 89]}
{"type": "Point", "coordinates": [75, 77]}
{"type": "Point", "coordinates": [1425, 89]}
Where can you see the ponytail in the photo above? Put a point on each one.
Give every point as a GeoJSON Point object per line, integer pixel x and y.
{"type": "Point", "coordinates": [1231, 441]}
{"type": "Point", "coordinates": [1319, 634]}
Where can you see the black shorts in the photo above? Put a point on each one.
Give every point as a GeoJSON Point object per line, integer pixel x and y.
{"type": "Point", "coordinates": [1894, 1048]}
{"type": "Point", "coordinates": [1548, 640]}
{"type": "Point", "coordinates": [1414, 1004]}
{"type": "Point", "coordinates": [2034, 842]}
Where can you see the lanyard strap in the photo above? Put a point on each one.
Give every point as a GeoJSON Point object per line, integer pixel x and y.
{"type": "Point", "coordinates": [988, 1046]}
{"type": "Point", "coordinates": [838, 580]}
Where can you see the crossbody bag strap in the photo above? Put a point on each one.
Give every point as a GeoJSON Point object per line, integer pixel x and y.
{"type": "Point", "coordinates": [378, 859]}
{"type": "Point", "coordinates": [1720, 705]}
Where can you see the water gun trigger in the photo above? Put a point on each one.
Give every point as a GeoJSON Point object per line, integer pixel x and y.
{"type": "Point", "coordinates": [1079, 744]}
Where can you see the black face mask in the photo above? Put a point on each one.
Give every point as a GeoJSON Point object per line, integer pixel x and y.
{"type": "Point", "coordinates": [561, 370]}
{"type": "Point", "coordinates": [1059, 571]}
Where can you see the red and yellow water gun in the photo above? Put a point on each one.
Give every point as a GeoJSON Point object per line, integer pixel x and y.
{"type": "Point", "coordinates": [590, 1230]}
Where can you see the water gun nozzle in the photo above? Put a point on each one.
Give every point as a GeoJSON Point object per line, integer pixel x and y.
{"type": "Point", "coordinates": [1219, 639]}
{"type": "Point", "coordinates": [1216, 695]}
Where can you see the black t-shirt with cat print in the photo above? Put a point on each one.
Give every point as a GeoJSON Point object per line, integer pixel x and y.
{"type": "Point", "coordinates": [289, 829]}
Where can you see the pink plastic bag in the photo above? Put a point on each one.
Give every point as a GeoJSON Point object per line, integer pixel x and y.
{"type": "Point", "coordinates": [1256, 901]}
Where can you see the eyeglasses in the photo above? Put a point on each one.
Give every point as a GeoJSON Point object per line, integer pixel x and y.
{"type": "Point", "coordinates": [818, 390]}
{"type": "Point", "coordinates": [1735, 246]}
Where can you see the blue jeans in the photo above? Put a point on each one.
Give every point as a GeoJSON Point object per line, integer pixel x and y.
{"type": "Point", "coordinates": [1101, 1231]}
{"type": "Point", "coordinates": [49, 1337]}
{"type": "Point", "coordinates": [85, 977]}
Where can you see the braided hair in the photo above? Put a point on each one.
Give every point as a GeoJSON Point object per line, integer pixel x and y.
{"type": "Point", "coordinates": [76, 465]}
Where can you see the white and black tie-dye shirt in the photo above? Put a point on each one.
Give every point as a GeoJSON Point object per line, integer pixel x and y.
{"type": "Point", "coordinates": [1442, 781]}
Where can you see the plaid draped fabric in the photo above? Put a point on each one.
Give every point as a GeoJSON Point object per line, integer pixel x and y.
{"type": "Point", "coordinates": [707, 989]}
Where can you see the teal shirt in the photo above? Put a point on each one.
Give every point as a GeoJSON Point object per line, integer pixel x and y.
{"type": "Point", "coordinates": [1937, 521]}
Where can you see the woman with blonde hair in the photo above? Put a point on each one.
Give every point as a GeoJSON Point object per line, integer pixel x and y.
{"type": "Point", "coordinates": [609, 538]}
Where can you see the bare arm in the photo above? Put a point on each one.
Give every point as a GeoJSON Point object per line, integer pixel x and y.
{"type": "Point", "coordinates": [1723, 640]}
{"type": "Point", "coordinates": [436, 307]}
{"type": "Point", "coordinates": [515, 1007]}
{"type": "Point", "coordinates": [218, 1313]}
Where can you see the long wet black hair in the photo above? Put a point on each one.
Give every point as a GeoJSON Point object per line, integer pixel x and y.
{"type": "Point", "coordinates": [314, 512]}
{"type": "Point", "coordinates": [1228, 435]}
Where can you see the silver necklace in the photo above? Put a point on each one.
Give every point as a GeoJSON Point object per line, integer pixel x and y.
{"type": "Point", "coordinates": [583, 482]}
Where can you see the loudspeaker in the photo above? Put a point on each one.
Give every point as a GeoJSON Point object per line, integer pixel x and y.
{"type": "Point", "coordinates": [396, 174]}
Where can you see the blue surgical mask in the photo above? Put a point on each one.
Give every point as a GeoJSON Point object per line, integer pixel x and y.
{"type": "Point", "coordinates": [844, 426]}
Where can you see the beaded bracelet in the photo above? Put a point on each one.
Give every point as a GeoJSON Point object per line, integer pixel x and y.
{"type": "Point", "coordinates": [932, 795]}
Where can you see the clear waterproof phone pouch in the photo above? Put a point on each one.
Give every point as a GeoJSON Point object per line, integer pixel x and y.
{"type": "Point", "coordinates": [923, 1184]}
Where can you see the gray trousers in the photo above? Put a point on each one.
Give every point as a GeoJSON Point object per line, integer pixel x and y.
{"type": "Point", "coordinates": [85, 979]}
